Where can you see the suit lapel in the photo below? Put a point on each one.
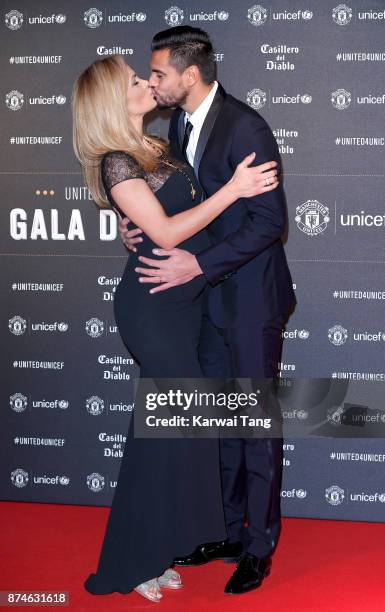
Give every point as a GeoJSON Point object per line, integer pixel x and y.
{"type": "Point", "coordinates": [181, 129]}
{"type": "Point", "coordinates": [208, 126]}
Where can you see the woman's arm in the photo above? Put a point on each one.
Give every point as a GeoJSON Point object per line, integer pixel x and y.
{"type": "Point", "coordinates": [138, 202]}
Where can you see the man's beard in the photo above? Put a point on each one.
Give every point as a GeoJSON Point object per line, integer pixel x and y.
{"type": "Point", "coordinates": [171, 102]}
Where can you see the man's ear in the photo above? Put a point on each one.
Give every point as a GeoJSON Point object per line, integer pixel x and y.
{"type": "Point", "coordinates": [192, 75]}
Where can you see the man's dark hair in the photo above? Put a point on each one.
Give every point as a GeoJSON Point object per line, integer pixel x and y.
{"type": "Point", "coordinates": [188, 47]}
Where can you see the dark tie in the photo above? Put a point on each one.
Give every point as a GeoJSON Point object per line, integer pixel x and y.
{"type": "Point", "coordinates": [186, 138]}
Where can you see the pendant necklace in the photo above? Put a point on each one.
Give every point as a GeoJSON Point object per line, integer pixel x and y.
{"type": "Point", "coordinates": [164, 160]}
{"type": "Point", "coordinates": [192, 188]}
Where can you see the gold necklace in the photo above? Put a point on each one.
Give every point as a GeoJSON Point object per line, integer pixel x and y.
{"type": "Point", "coordinates": [179, 169]}
{"type": "Point", "coordinates": [164, 160]}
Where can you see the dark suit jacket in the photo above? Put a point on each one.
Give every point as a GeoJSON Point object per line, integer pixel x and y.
{"type": "Point", "coordinates": [246, 263]}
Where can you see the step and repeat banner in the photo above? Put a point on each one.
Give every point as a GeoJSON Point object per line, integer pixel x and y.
{"type": "Point", "coordinates": [315, 72]}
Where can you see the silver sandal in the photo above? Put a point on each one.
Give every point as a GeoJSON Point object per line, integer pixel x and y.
{"type": "Point", "coordinates": [170, 580]}
{"type": "Point", "coordinates": [146, 589]}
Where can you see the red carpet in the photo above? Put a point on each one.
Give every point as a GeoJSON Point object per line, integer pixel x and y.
{"type": "Point", "coordinates": [320, 565]}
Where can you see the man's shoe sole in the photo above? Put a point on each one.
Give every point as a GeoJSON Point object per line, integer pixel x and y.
{"type": "Point", "coordinates": [225, 559]}
{"type": "Point", "coordinates": [191, 564]}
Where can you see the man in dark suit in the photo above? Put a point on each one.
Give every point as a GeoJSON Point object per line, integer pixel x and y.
{"type": "Point", "coordinates": [251, 292]}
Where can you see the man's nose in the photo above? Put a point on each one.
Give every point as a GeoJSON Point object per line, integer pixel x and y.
{"type": "Point", "coordinates": [151, 81]}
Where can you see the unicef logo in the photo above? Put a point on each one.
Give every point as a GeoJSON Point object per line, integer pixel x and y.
{"type": "Point", "coordinates": [341, 99]}
{"type": "Point", "coordinates": [141, 17]}
{"type": "Point", "coordinates": [307, 15]}
{"type": "Point", "coordinates": [306, 99]}
{"type": "Point", "coordinates": [174, 16]}
{"type": "Point", "coordinates": [256, 98]}
{"type": "Point", "coordinates": [93, 18]}
{"type": "Point", "coordinates": [14, 100]}
{"type": "Point", "coordinates": [381, 498]}
{"type": "Point", "coordinates": [94, 327]}
{"type": "Point", "coordinates": [303, 334]}
{"type": "Point", "coordinates": [95, 405]}
{"type": "Point", "coordinates": [312, 217]}
{"type": "Point", "coordinates": [17, 325]}
{"type": "Point", "coordinates": [64, 480]}
{"type": "Point", "coordinates": [60, 99]}
{"type": "Point", "coordinates": [62, 327]}
{"type": "Point", "coordinates": [19, 478]}
{"type": "Point", "coordinates": [223, 15]}
{"type": "Point", "coordinates": [257, 15]}
{"type": "Point", "coordinates": [342, 14]}
{"type": "Point", "coordinates": [334, 495]}
{"type": "Point", "coordinates": [14, 20]}
{"type": "Point", "coordinates": [302, 415]}
{"type": "Point", "coordinates": [334, 416]}
{"type": "Point", "coordinates": [60, 18]}
{"type": "Point", "coordinates": [337, 335]}
{"type": "Point", "coordinates": [95, 482]}
{"type": "Point", "coordinates": [301, 493]}
{"type": "Point", "coordinates": [63, 404]}
{"type": "Point", "coordinates": [18, 402]}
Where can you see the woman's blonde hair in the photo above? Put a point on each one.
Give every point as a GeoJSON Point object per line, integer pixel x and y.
{"type": "Point", "coordinates": [101, 122]}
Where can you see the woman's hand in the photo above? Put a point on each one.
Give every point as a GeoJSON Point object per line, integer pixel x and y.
{"type": "Point", "coordinates": [249, 182]}
{"type": "Point", "coordinates": [129, 237]}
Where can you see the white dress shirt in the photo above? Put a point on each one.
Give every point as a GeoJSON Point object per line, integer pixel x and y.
{"type": "Point", "coordinates": [197, 119]}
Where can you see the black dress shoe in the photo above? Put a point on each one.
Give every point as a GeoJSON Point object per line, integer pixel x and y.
{"type": "Point", "coordinates": [249, 575]}
{"type": "Point", "coordinates": [228, 551]}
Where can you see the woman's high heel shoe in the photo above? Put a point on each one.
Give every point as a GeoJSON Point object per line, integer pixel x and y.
{"type": "Point", "coordinates": [170, 580]}
{"type": "Point", "coordinates": [150, 590]}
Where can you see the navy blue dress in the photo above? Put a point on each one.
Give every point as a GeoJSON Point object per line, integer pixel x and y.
{"type": "Point", "coordinates": [168, 497]}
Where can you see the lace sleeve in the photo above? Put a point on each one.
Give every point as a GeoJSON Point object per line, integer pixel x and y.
{"type": "Point", "coordinates": [118, 166]}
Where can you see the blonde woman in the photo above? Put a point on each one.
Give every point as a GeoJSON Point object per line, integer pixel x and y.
{"type": "Point", "coordinates": [168, 495]}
